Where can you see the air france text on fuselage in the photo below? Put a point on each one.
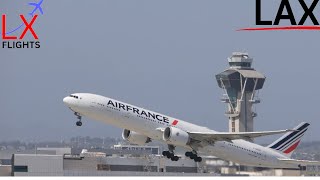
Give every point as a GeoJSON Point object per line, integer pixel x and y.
{"type": "Point", "coordinates": [138, 111]}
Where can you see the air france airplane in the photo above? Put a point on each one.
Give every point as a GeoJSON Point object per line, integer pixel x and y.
{"type": "Point", "coordinates": [141, 126]}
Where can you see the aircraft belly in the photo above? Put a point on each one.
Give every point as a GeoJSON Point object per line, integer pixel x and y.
{"type": "Point", "coordinates": [222, 151]}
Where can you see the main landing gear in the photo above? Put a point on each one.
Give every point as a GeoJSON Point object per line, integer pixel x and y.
{"type": "Point", "coordinates": [78, 123]}
{"type": "Point", "coordinates": [193, 156]}
{"type": "Point", "coordinates": [170, 154]}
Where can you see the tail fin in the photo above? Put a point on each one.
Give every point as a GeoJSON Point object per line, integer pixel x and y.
{"type": "Point", "coordinates": [289, 141]}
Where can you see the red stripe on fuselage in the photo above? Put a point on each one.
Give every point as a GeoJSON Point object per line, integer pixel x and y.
{"type": "Point", "coordinates": [293, 147]}
{"type": "Point", "coordinates": [175, 122]}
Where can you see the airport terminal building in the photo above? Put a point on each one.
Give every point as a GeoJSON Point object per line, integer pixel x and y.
{"type": "Point", "coordinates": [60, 162]}
{"type": "Point", "coordinates": [126, 160]}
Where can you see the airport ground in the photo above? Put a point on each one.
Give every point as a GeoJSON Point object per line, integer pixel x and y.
{"type": "Point", "coordinates": [111, 156]}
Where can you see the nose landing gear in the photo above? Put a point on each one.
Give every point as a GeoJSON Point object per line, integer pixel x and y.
{"type": "Point", "coordinates": [78, 123]}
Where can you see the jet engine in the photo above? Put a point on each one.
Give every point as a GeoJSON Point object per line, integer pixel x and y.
{"type": "Point", "coordinates": [176, 136]}
{"type": "Point", "coordinates": [135, 138]}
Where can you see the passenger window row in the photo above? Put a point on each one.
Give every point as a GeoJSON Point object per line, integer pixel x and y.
{"type": "Point", "coordinates": [150, 119]}
{"type": "Point", "coordinates": [245, 149]}
{"type": "Point", "coordinates": [112, 108]}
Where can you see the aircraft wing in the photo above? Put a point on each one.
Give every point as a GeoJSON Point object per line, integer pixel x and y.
{"type": "Point", "coordinates": [225, 136]}
{"type": "Point", "coordinates": [300, 162]}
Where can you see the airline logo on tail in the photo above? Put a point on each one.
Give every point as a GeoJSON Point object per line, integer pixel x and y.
{"type": "Point", "coordinates": [289, 142]}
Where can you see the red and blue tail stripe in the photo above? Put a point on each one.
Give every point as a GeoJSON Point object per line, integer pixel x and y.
{"type": "Point", "coordinates": [289, 142]}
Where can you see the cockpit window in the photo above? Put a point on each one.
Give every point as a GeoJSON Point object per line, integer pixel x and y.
{"type": "Point", "coordinates": [77, 97]}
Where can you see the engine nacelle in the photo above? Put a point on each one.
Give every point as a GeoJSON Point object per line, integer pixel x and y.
{"type": "Point", "coordinates": [135, 138]}
{"type": "Point", "coordinates": [176, 136]}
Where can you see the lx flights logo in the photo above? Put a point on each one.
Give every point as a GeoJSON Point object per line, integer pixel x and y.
{"type": "Point", "coordinates": [12, 41]}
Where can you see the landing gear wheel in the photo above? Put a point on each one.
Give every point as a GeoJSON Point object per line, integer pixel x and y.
{"type": "Point", "coordinates": [198, 159]}
{"type": "Point", "coordinates": [193, 156]}
{"type": "Point", "coordinates": [165, 153]}
{"type": "Point", "coordinates": [188, 154]}
{"type": "Point", "coordinates": [170, 155]}
{"type": "Point", "coordinates": [79, 123]}
{"type": "Point", "coordinates": [174, 158]}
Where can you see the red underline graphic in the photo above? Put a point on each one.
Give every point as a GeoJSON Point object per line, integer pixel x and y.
{"type": "Point", "coordinates": [283, 28]}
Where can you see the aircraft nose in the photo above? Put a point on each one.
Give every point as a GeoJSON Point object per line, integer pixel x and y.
{"type": "Point", "coordinates": [67, 101]}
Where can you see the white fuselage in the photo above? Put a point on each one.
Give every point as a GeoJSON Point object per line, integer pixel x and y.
{"type": "Point", "coordinates": [148, 123]}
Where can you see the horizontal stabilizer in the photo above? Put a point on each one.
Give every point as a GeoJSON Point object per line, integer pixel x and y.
{"type": "Point", "coordinates": [300, 162]}
{"type": "Point", "coordinates": [225, 136]}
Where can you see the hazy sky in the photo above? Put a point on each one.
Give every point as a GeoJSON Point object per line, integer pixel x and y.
{"type": "Point", "coordinates": [161, 55]}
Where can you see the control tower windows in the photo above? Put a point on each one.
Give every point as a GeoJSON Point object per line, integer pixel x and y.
{"type": "Point", "coordinates": [233, 126]}
{"type": "Point", "coordinates": [240, 64]}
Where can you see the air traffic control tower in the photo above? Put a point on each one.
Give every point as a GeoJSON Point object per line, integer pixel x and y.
{"type": "Point", "coordinates": [240, 83]}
